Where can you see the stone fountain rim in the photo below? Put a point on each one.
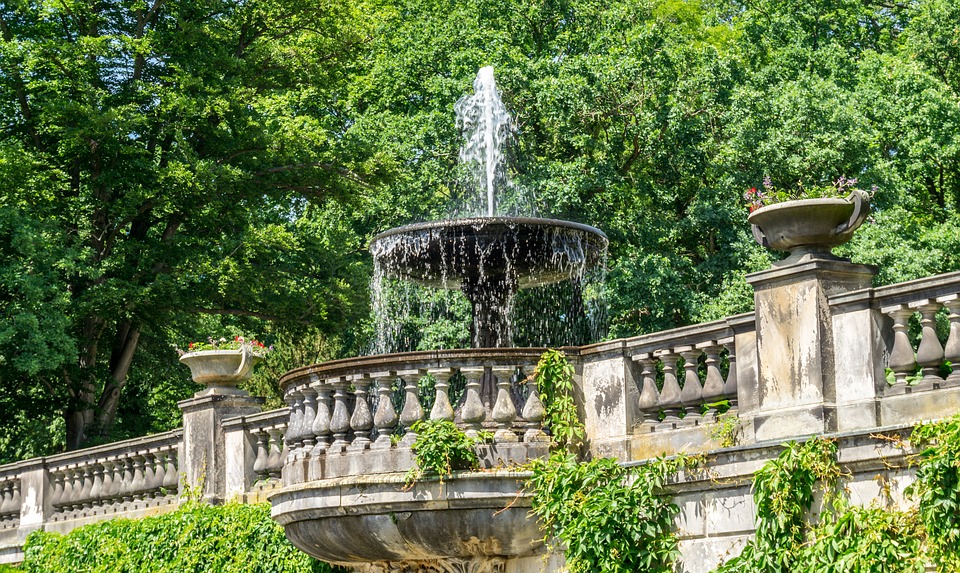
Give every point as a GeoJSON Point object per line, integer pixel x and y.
{"type": "Point", "coordinates": [490, 222]}
{"type": "Point", "coordinates": [385, 363]}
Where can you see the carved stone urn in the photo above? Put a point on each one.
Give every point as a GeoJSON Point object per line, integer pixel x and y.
{"type": "Point", "coordinates": [810, 228]}
{"type": "Point", "coordinates": [221, 370]}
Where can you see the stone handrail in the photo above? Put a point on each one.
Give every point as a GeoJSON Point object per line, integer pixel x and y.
{"type": "Point", "coordinates": [115, 478]}
{"type": "Point", "coordinates": [898, 305]}
{"type": "Point", "coordinates": [671, 399]}
{"type": "Point", "coordinates": [261, 437]}
{"type": "Point", "coordinates": [372, 403]}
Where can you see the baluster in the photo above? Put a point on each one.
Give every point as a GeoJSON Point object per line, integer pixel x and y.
{"type": "Point", "coordinates": [504, 410]}
{"type": "Point", "coordinates": [17, 499]}
{"type": "Point", "coordinates": [159, 472]}
{"type": "Point", "coordinates": [76, 475]}
{"type": "Point", "coordinates": [951, 351]}
{"type": "Point", "coordinates": [412, 411]}
{"type": "Point", "coordinates": [86, 475]}
{"type": "Point", "coordinates": [107, 489]}
{"type": "Point", "coordinates": [533, 413]}
{"type": "Point", "coordinates": [473, 413]}
{"type": "Point", "coordinates": [97, 490]}
{"type": "Point", "coordinates": [385, 418]}
{"type": "Point", "coordinates": [263, 454]}
{"type": "Point", "coordinates": [56, 497]}
{"type": "Point", "coordinates": [362, 420]}
{"type": "Point", "coordinates": [930, 352]}
{"type": "Point", "coordinates": [442, 409]}
{"type": "Point", "coordinates": [902, 359]}
{"type": "Point", "coordinates": [138, 479]}
{"type": "Point", "coordinates": [309, 416]}
{"type": "Point", "coordinates": [730, 384]}
{"type": "Point", "coordinates": [275, 460]}
{"type": "Point", "coordinates": [670, 393]}
{"type": "Point", "coordinates": [713, 384]}
{"type": "Point", "coordinates": [116, 479]}
{"type": "Point", "coordinates": [691, 396]}
{"type": "Point", "coordinates": [294, 400]}
{"type": "Point", "coordinates": [340, 421]}
{"type": "Point", "coordinates": [6, 499]}
{"type": "Point", "coordinates": [649, 402]}
{"type": "Point", "coordinates": [321, 423]}
{"type": "Point", "coordinates": [149, 475]}
{"type": "Point", "coordinates": [171, 476]}
{"type": "Point", "coordinates": [127, 481]}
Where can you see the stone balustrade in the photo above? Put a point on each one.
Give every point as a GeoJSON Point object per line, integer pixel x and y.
{"type": "Point", "coordinates": [917, 367]}
{"type": "Point", "coordinates": [256, 449]}
{"type": "Point", "coordinates": [373, 404]}
{"type": "Point", "coordinates": [686, 375]}
{"type": "Point", "coordinates": [121, 477]}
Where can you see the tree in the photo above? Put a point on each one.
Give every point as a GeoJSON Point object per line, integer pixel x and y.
{"type": "Point", "coordinates": [167, 156]}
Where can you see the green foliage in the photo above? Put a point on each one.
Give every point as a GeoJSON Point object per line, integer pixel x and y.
{"type": "Point", "coordinates": [554, 375]}
{"type": "Point", "coordinates": [783, 492]}
{"type": "Point", "coordinates": [194, 538]}
{"type": "Point", "coordinates": [937, 489]}
{"type": "Point", "coordinates": [440, 448]}
{"type": "Point", "coordinates": [852, 539]}
{"type": "Point", "coordinates": [607, 518]}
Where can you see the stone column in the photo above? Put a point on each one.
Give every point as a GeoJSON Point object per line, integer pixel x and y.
{"type": "Point", "coordinates": [204, 459]}
{"type": "Point", "coordinates": [796, 349]}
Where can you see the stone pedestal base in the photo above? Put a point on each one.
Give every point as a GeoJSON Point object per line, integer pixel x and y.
{"type": "Point", "coordinates": [203, 459]}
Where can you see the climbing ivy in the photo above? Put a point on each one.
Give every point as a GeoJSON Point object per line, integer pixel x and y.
{"type": "Point", "coordinates": [937, 490]}
{"type": "Point", "coordinates": [608, 518]}
{"type": "Point", "coordinates": [844, 538]}
{"type": "Point", "coordinates": [442, 447]}
{"type": "Point", "coordinates": [554, 375]}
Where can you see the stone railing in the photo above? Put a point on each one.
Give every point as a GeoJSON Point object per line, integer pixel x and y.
{"type": "Point", "coordinates": [682, 378]}
{"type": "Point", "coordinates": [372, 403]}
{"type": "Point", "coordinates": [122, 477]}
{"type": "Point", "coordinates": [904, 340]}
{"type": "Point", "coordinates": [256, 452]}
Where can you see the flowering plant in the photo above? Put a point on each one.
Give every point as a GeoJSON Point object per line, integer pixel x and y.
{"type": "Point", "coordinates": [768, 194]}
{"type": "Point", "coordinates": [224, 344]}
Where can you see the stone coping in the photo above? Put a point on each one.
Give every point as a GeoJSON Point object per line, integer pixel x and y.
{"type": "Point", "coordinates": [98, 452]}
{"type": "Point", "coordinates": [384, 364]}
{"type": "Point", "coordinates": [265, 419]}
{"type": "Point", "coordinates": [875, 449]}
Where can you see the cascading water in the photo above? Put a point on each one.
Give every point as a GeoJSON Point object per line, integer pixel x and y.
{"type": "Point", "coordinates": [504, 267]}
{"type": "Point", "coordinates": [487, 129]}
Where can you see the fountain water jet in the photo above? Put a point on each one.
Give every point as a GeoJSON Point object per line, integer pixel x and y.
{"type": "Point", "coordinates": [488, 258]}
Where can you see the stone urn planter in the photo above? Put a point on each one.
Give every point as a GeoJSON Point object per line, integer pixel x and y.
{"type": "Point", "coordinates": [810, 228]}
{"type": "Point", "coordinates": [221, 370]}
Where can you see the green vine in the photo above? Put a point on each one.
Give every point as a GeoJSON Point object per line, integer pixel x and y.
{"type": "Point", "coordinates": [844, 538]}
{"type": "Point", "coordinates": [554, 376]}
{"type": "Point", "coordinates": [608, 518]}
{"type": "Point", "coordinates": [440, 448]}
{"type": "Point", "coordinates": [937, 490]}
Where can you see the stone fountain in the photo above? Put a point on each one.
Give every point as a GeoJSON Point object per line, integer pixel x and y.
{"type": "Point", "coordinates": [488, 258]}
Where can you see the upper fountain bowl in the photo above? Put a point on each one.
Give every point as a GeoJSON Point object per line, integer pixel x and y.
{"type": "Point", "coordinates": [525, 251]}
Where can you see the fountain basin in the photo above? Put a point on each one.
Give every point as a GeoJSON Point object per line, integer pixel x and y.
{"type": "Point", "coordinates": [449, 254]}
{"type": "Point", "coordinates": [376, 519]}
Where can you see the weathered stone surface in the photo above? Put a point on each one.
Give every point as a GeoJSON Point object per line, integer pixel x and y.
{"type": "Point", "coordinates": [204, 458]}
{"type": "Point", "coordinates": [795, 345]}
{"type": "Point", "coordinates": [365, 519]}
